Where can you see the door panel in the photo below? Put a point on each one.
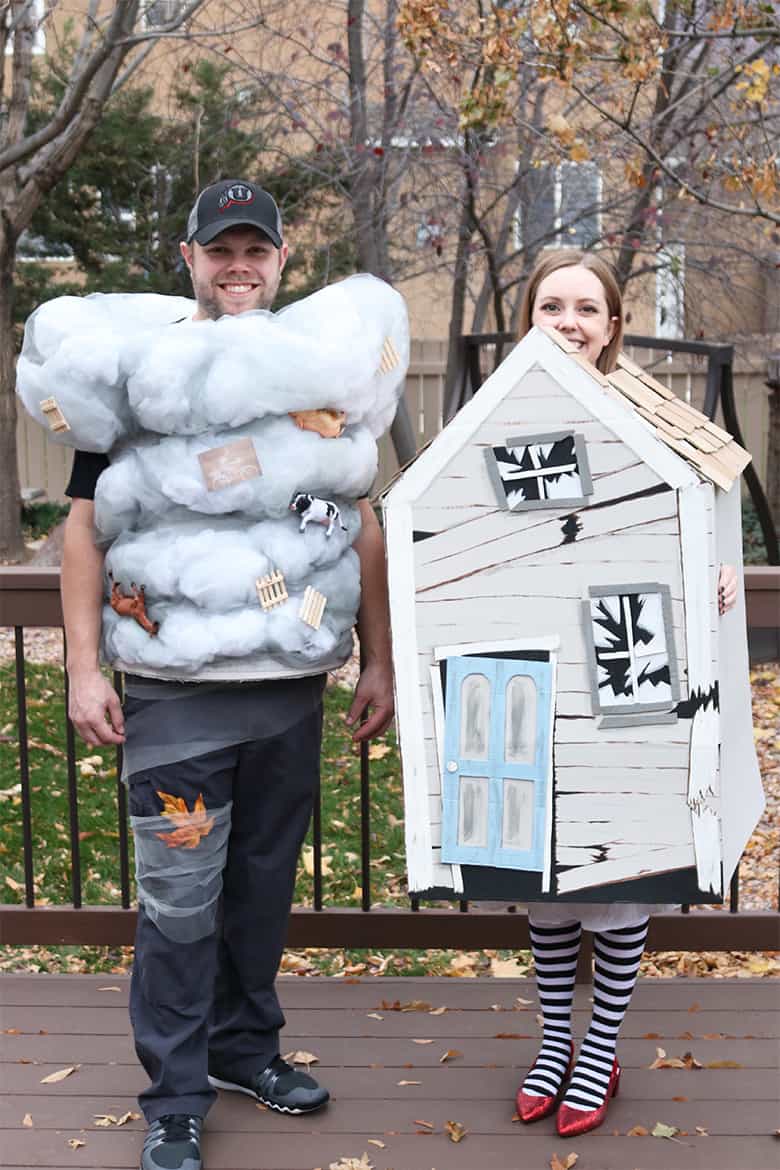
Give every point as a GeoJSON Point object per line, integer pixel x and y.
{"type": "Point", "coordinates": [517, 825]}
{"type": "Point", "coordinates": [475, 696]}
{"type": "Point", "coordinates": [520, 720]}
{"type": "Point", "coordinates": [473, 807]}
{"type": "Point", "coordinates": [497, 761]}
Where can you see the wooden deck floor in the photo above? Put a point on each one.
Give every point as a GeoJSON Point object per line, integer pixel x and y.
{"type": "Point", "coordinates": [367, 1051]}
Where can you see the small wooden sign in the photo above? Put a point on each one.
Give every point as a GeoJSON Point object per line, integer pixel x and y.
{"type": "Point", "coordinates": [230, 464]}
{"type": "Point", "coordinates": [271, 589]}
{"type": "Point", "coordinates": [390, 358]}
{"type": "Point", "coordinates": [54, 416]}
{"type": "Point", "coordinates": [313, 607]}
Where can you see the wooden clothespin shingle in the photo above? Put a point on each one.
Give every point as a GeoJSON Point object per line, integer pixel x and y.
{"type": "Point", "coordinates": [312, 607]}
{"type": "Point", "coordinates": [54, 416]}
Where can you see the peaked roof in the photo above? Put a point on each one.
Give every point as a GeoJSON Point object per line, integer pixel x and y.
{"type": "Point", "coordinates": [688, 432]}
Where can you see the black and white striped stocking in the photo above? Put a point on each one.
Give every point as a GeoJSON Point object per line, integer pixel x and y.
{"type": "Point", "coordinates": [617, 954]}
{"type": "Point", "coordinates": [555, 950]}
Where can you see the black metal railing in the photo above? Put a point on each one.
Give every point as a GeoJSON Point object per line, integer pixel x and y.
{"type": "Point", "coordinates": [30, 598]}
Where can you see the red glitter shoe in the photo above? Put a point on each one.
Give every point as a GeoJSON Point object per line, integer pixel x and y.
{"type": "Point", "coordinates": [530, 1108]}
{"type": "Point", "coordinates": [573, 1122]}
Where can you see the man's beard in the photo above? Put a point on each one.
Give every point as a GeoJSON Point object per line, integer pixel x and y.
{"type": "Point", "coordinates": [208, 303]}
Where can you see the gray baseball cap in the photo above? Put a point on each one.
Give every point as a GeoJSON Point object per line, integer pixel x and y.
{"type": "Point", "coordinates": [230, 203]}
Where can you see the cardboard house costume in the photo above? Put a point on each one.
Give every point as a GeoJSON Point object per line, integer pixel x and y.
{"type": "Point", "coordinates": [238, 450]}
{"type": "Point", "coordinates": [574, 716]}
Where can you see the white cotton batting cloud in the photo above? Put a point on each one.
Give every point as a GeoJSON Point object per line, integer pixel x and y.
{"type": "Point", "coordinates": [105, 353]}
{"type": "Point", "coordinates": [190, 636]}
{"type": "Point", "coordinates": [151, 478]}
{"type": "Point", "coordinates": [172, 401]}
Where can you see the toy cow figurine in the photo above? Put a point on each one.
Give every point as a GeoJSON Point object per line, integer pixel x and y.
{"type": "Point", "coordinates": [133, 606]}
{"type": "Point", "coordinates": [313, 509]}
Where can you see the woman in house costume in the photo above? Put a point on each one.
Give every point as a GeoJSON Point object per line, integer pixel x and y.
{"type": "Point", "coordinates": [577, 294]}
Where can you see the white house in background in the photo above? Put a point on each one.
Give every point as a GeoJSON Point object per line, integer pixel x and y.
{"type": "Point", "coordinates": [574, 716]}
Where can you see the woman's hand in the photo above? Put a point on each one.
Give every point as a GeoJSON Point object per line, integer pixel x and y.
{"type": "Point", "coordinates": [727, 588]}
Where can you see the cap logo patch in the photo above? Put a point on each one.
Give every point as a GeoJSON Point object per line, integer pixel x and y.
{"type": "Point", "coordinates": [238, 193]}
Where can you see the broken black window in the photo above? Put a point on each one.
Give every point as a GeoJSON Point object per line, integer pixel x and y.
{"type": "Point", "coordinates": [632, 647]}
{"type": "Point", "coordinates": [541, 471]}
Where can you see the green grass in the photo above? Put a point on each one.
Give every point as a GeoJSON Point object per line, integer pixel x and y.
{"type": "Point", "coordinates": [39, 519]}
{"type": "Point", "coordinates": [98, 812]}
{"type": "Point", "coordinates": [99, 834]}
{"type": "Point", "coordinates": [98, 823]}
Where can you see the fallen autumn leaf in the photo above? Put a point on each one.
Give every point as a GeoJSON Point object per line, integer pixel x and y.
{"type": "Point", "coordinates": [59, 1075]}
{"type": "Point", "coordinates": [27, 1120]}
{"type": "Point", "coordinates": [352, 1164]}
{"type": "Point", "coordinates": [660, 1130]}
{"type": "Point", "coordinates": [414, 1005]}
{"type": "Point", "coordinates": [508, 969]}
{"type": "Point", "coordinates": [104, 1120]}
{"type": "Point", "coordinates": [455, 1130]}
{"type": "Point", "coordinates": [569, 1161]}
{"type": "Point", "coordinates": [301, 1057]}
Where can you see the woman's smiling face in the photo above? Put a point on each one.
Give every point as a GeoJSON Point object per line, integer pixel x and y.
{"type": "Point", "coordinates": [572, 300]}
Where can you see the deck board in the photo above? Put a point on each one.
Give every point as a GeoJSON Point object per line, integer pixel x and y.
{"type": "Point", "coordinates": [53, 1021]}
{"type": "Point", "coordinates": [358, 1022]}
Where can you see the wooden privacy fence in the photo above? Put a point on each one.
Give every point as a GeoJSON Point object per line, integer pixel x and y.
{"type": "Point", "coordinates": [29, 597]}
{"type": "Point", "coordinates": [46, 465]}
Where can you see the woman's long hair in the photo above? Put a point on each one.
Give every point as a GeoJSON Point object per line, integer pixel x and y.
{"type": "Point", "coordinates": [568, 258]}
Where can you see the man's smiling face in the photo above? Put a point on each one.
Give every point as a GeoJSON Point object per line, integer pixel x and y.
{"type": "Point", "coordinates": [238, 270]}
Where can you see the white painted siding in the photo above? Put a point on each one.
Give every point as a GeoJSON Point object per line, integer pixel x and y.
{"type": "Point", "coordinates": [488, 574]}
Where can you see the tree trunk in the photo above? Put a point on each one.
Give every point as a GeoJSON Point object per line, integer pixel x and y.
{"type": "Point", "coordinates": [458, 308]}
{"type": "Point", "coordinates": [365, 185]}
{"type": "Point", "coordinates": [11, 544]}
{"type": "Point", "coordinates": [773, 455]}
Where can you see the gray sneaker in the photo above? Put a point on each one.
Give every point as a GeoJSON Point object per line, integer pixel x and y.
{"type": "Point", "coordinates": [173, 1143]}
{"type": "Point", "coordinates": [278, 1085]}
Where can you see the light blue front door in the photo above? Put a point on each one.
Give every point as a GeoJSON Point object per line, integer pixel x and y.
{"type": "Point", "coordinates": [496, 762]}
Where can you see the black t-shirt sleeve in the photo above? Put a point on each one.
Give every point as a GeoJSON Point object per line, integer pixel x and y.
{"type": "Point", "coordinates": [87, 466]}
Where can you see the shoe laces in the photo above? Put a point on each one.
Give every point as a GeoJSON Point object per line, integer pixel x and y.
{"type": "Point", "coordinates": [178, 1127]}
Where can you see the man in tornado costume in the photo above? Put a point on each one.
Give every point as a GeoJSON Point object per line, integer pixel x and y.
{"type": "Point", "coordinates": [219, 550]}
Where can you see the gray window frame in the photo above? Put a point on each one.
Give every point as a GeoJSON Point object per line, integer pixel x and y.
{"type": "Point", "coordinates": [583, 470]}
{"type": "Point", "coordinates": [638, 713]}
